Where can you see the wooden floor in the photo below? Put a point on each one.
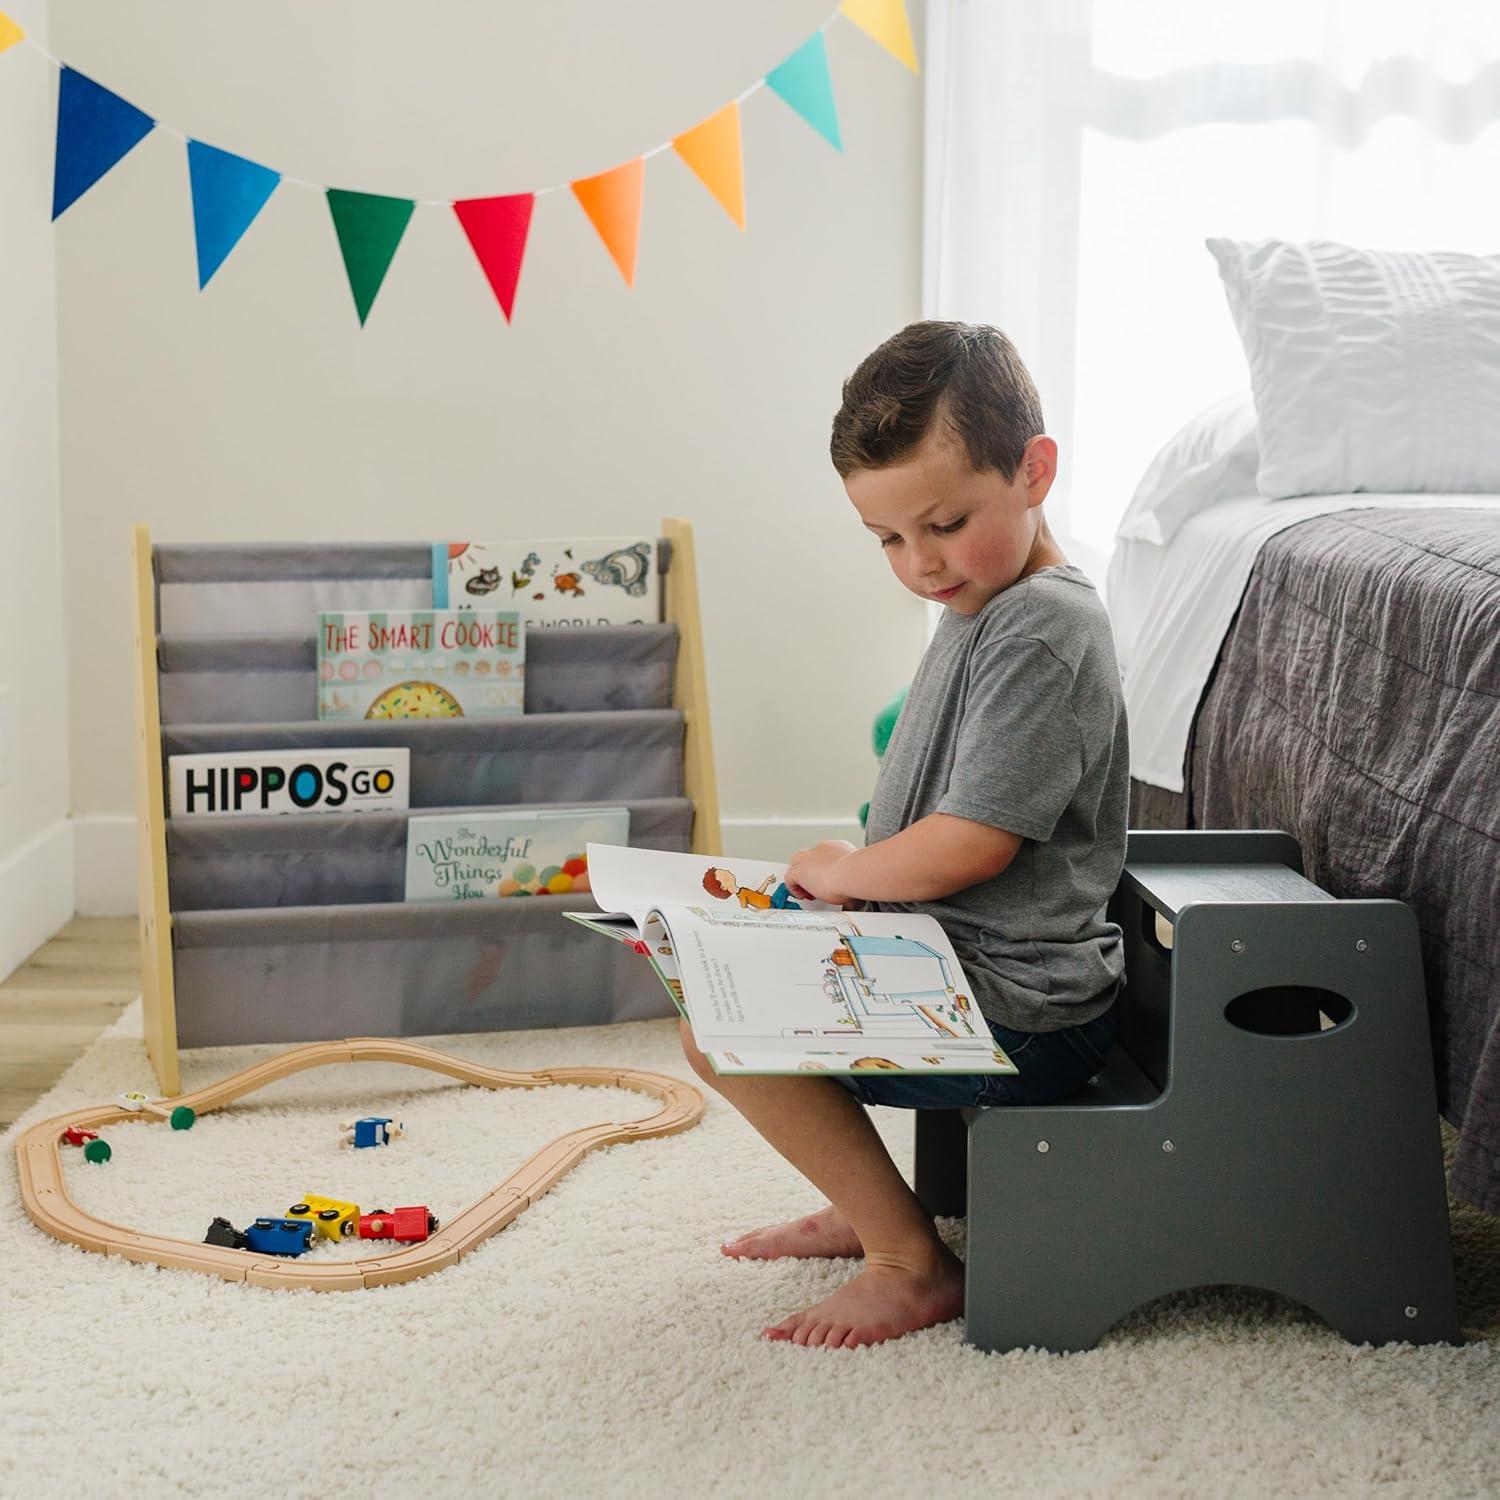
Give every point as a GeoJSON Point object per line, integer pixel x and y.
{"type": "Point", "coordinates": [58, 1001]}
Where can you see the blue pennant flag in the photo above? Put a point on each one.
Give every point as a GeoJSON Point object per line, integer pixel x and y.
{"type": "Point", "coordinates": [95, 128]}
{"type": "Point", "coordinates": [804, 81]}
{"type": "Point", "coordinates": [228, 192]}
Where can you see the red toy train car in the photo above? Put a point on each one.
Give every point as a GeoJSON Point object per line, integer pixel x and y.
{"type": "Point", "coordinates": [413, 1222]}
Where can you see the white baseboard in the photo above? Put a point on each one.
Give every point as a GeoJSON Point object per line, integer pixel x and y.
{"type": "Point", "coordinates": [104, 853]}
{"type": "Point", "coordinates": [36, 894]}
{"type": "Point", "coordinates": [780, 838]}
{"type": "Point", "coordinates": [101, 875]}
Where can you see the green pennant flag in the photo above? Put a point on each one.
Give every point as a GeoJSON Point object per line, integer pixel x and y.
{"type": "Point", "coordinates": [369, 229]}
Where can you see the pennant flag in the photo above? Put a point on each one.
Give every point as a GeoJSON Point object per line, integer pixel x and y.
{"type": "Point", "coordinates": [95, 128]}
{"type": "Point", "coordinates": [712, 150]}
{"type": "Point", "coordinates": [10, 33]}
{"type": "Point", "coordinates": [497, 228]}
{"type": "Point", "coordinates": [369, 228]}
{"type": "Point", "coordinates": [804, 82]}
{"type": "Point", "coordinates": [612, 200]}
{"type": "Point", "coordinates": [228, 192]}
{"type": "Point", "coordinates": [885, 20]}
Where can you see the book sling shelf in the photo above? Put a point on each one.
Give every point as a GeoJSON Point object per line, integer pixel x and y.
{"type": "Point", "coordinates": [293, 928]}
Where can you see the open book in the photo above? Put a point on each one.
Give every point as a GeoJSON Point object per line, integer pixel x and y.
{"type": "Point", "coordinates": [773, 985]}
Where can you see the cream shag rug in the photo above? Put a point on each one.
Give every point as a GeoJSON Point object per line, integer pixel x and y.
{"type": "Point", "coordinates": [602, 1346]}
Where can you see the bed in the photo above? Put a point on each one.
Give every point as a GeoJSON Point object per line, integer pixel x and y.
{"type": "Point", "coordinates": [1306, 596]}
{"type": "Point", "coordinates": [1331, 666]}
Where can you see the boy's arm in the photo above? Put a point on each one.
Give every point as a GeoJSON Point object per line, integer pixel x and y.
{"type": "Point", "coordinates": [935, 857]}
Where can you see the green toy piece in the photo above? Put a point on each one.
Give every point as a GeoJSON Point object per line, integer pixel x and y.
{"type": "Point", "coordinates": [97, 1151]}
{"type": "Point", "coordinates": [885, 723]}
{"type": "Point", "coordinates": [182, 1117]}
{"type": "Point", "coordinates": [884, 728]}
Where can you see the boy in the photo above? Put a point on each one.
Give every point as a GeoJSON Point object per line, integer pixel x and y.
{"type": "Point", "coordinates": [1000, 807]}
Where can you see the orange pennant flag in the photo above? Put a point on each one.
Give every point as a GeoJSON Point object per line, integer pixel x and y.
{"type": "Point", "coordinates": [612, 200]}
{"type": "Point", "coordinates": [10, 33]}
{"type": "Point", "coordinates": [886, 22]}
{"type": "Point", "coordinates": [712, 150]}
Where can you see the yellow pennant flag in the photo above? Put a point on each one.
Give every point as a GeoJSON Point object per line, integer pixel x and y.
{"type": "Point", "coordinates": [10, 33]}
{"type": "Point", "coordinates": [712, 150]}
{"type": "Point", "coordinates": [885, 20]}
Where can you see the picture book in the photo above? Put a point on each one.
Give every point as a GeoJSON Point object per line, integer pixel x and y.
{"type": "Point", "coordinates": [771, 984]}
{"type": "Point", "coordinates": [421, 664]}
{"type": "Point", "coordinates": [245, 782]}
{"type": "Point", "coordinates": [502, 855]}
{"type": "Point", "coordinates": [572, 581]}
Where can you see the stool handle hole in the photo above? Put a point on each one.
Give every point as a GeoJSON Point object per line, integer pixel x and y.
{"type": "Point", "coordinates": [1289, 1010]}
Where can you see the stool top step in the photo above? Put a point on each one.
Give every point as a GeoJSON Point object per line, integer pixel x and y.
{"type": "Point", "coordinates": [1169, 888]}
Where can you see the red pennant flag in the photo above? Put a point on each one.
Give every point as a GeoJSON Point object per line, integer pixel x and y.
{"type": "Point", "coordinates": [497, 229]}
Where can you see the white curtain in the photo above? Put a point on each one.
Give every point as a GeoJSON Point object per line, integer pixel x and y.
{"type": "Point", "coordinates": [1080, 151]}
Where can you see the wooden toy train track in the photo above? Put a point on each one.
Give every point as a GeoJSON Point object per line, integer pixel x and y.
{"type": "Point", "coordinates": [46, 1199]}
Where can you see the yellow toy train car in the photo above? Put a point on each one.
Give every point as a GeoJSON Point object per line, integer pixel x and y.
{"type": "Point", "coordinates": [331, 1217]}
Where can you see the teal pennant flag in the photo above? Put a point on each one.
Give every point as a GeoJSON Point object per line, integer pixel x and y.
{"type": "Point", "coordinates": [804, 81]}
{"type": "Point", "coordinates": [369, 228]}
{"type": "Point", "coordinates": [228, 192]}
{"type": "Point", "coordinates": [95, 128]}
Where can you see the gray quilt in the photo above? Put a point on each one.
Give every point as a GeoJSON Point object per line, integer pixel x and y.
{"type": "Point", "coordinates": [1356, 704]}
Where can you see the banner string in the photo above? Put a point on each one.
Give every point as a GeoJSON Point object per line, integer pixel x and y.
{"type": "Point", "coordinates": [446, 203]}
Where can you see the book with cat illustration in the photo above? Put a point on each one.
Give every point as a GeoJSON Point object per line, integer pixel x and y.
{"type": "Point", "coordinates": [771, 984]}
{"type": "Point", "coordinates": [559, 581]}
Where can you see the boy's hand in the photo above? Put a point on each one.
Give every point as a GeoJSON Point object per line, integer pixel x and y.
{"type": "Point", "coordinates": [814, 872]}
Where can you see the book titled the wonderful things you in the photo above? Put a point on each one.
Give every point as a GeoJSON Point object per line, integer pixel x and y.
{"type": "Point", "coordinates": [771, 984]}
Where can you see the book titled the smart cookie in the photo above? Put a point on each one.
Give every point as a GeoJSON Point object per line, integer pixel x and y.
{"type": "Point", "coordinates": [241, 783]}
{"type": "Point", "coordinates": [771, 984]}
{"type": "Point", "coordinates": [421, 664]}
{"type": "Point", "coordinates": [506, 855]}
{"type": "Point", "coordinates": [560, 581]}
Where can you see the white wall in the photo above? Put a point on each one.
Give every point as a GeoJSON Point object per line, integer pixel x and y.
{"type": "Point", "coordinates": [36, 845]}
{"type": "Point", "coordinates": [260, 409]}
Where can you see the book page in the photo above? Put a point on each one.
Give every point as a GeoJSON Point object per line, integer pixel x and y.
{"type": "Point", "coordinates": [841, 990]}
{"type": "Point", "coordinates": [633, 881]}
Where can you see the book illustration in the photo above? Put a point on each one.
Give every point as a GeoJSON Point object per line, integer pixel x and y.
{"type": "Point", "coordinates": [580, 581]}
{"type": "Point", "coordinates": [723, 884]}
{"type": "Point", "coordinates": [879, 985]}
{"type": "Point", "coordinates": [415, 700]}
{"type": "Point", "coordinates": [248, 782]}
{"type": "Point", "coordinates": [421, 664]}
{"type": "Point", "coordinates": [884, 983]}
{"type": "Point", "coordinates": [627, 568]}
{"type": "Point", "coordinates": [505, 855]}
{"type": "Point", "coordinates": [630, 882]}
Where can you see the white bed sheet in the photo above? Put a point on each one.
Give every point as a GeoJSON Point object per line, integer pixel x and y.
{"type": "Point", "coordinates": [1171, 606]}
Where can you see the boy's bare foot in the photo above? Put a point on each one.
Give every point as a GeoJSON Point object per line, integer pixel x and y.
{"type": "Point", "coordinates": [882, 1302]}
{"type": "Point", "coordinates": [825, 1233]}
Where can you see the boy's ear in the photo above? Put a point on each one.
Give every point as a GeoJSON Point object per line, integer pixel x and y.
{"type": "Point", "coordinates": [1039, 464]}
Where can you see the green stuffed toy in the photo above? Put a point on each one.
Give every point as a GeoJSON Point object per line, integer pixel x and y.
{"type": "Point", "coordinates": [885, 725]}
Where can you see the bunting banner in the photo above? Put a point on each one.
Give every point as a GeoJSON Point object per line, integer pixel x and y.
{"type": "Point", "coordinates": [97, 129]}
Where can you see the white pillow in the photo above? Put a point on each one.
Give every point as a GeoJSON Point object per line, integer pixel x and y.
{"type": "Point", "coordinates": [1212, 458]}
{"type": "Point", "coordinates": [1371, 369]}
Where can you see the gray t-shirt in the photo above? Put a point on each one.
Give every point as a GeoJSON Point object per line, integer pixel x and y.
{"type": "Point", "coordinates": [1016, 719]}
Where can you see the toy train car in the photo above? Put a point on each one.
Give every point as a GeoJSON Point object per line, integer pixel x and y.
{"type": "Point", "coordinates": [264, 1237]}
{"type": "Point", "coordinates": [413, 1222]}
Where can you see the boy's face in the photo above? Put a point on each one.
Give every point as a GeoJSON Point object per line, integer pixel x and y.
{"type": "Point", "coordinates": [954, 533]}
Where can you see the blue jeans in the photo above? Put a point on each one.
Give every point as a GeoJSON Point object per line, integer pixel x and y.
{"type": "Point", "coordinates": [1053, 1064]}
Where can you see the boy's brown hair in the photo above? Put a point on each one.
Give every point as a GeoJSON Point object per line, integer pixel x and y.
{"type": "Point", "coordinates": [969, 373]}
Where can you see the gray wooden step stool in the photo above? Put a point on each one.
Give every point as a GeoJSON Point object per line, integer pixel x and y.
{"type": "Point", "coordinates": [1267, 1118]}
